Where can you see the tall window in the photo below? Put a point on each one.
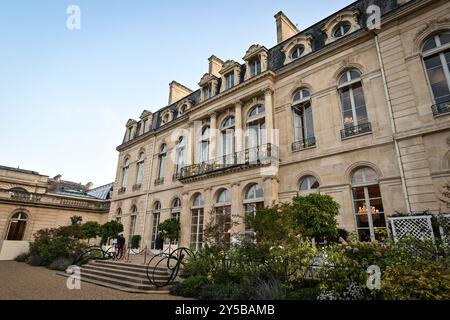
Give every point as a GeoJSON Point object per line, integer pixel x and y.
{"type": "Point", "coordinates": [181, 154]}
{"type": "Point", "coordinates": [132, 228]}
{"type": "Point", "coordinates": [227, 139]}
{"type": "Point", "coordinates": [368, 204]}
{"type": "Point", "coordinates": [256, 131]}
{"type": "Point", "coordinates": [204, 145]}
{"type": "Point", "coordinates": [125, 169]}
{"type": "Point", "coordinates": [255, 67]}
{"type": "Point", "coordinates": [207, 92]}
{"type": "Point", "coordinates": [303, 120]}
{"type": "Point", "coordinates": [223, 214]}
{"type": "Point", "coordinates": [119, 215]}
{"type": "Point", "coordinates": [436, 55]}
{"type": "Point", "coordinates": [17, 226]}
{"type": "Point", "coordinates": [229, 80]}
{"type": "Point", "coordinates": [197, 223]}
{"type": "Point", "coordinates": [353, 105]}
{"type": "Point", "coordinates": [155, 223]}
{"type": "Point", "coordinates": [308, 183]}
{"type": "Point", "coordinates": [162, 162]}
{"type": "Point", "coordinates": [254, 200]}
{"type": "Point", "coordinates": [176, 214]}
{"type": "Point", "coordinates": [140, 169]}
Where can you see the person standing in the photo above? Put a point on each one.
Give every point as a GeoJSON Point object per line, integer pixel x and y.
{"type": "Point", "coordinates": [120, 246]}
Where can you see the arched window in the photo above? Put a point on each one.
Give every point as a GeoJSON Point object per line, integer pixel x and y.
{"type": "Point", "coordinates": [303, 120]}
{"type": "Point", "coordinates": [342, 29]}
{"type": "Point", "coordinates": [436, 56]}
{"type": "Point", "coordinates": [125, 169]}
{"type": "Point", "coordinates": [204, 145]}
{"type": "Point", "coordinates": [180, 154]}
{"type": "Point", "coordinates": [223, 214]}
{"type": "Point", "coordinates": [132, 228]}
{"type": "Point", "coordinates": [256, 131]}
{"type": "Point", "coordinates": [254, 200]}
{"type": "Point", "coordinates": [119, 215]}
{"type": "Point", "coordinates": [17, 226]}
{"type": "Point", "coordinates": [255, 67]}
{"type": "Point", "coordinates": [140, 170]}
{"type": "Point", "coordinates": [353, 105]}
{"type": "Point", "coordinates": [197, 212]}
{"type": "Point", "coordinates": [165, 118]}
{"type": "Point", "coordinates": [368, 203]}
{"type": "Point", "coordinates": [176, 214]}
{"type": "Point", "coordinates": [155, 223]}
{"type": "Point", "coordinates": [227, 140]}
{"type": "Point", "coordinates": [162, 163]}
{"type": "Point", "coordinates": [308, 183]}
{"type": "Point", "coordinates": [297, 52]}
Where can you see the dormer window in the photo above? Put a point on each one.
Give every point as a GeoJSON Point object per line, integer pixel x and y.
{"type": "Point", "coordinates": [167, 116]}
{"type": "Point", "coordinates": [229, 80]}
{"type": "Point", "coordinates": [207, 92]}
{"type": "Point", "coordinates": [342, 29]}
{"type": "Point", "coordinates": [255, 67]}
{"type": "Point", "coordinates": [297, 52]}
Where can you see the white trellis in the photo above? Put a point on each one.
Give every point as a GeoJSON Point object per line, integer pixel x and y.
{"type": "Point", "coordinates": [419, 227]}
{"type": "Point", "coordinates": [444, 227]}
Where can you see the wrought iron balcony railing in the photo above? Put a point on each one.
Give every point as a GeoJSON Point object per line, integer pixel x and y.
{"type": "Point", "coordinates": [261, 155]}
{"type": "Point", "coordinates": [441, 108]}
{"type": "Point", "coordinates": [121, 190]}
{"type": "Point", "coordinates": [304, 144]}
{"type": "Point", "coordinates": [159, 181]}
{"type": "Point", "coordinates": [137, 187]}
{"type": "Point", "coordinates": [351, 131]}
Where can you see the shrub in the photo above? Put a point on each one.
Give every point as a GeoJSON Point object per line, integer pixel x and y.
{"type": "Point", "coordinates": [91, 230]}
{"type": "Point", "coordinates": [135, 241]}
{"type": "Point", "coordinates": [190, 287]}
{"type": "Point", "coordinates": [270, 289]}
{"type": "Point", "coordinates": [307, 293]}
{"type": "Point", "coordinates": [35, 260]}
{"type": "Point", "coordinates": [225, 291]}
{"type": "Point", "coordinates": [22, 257]}
{"type": "Point", "coordinates": [60, 264]}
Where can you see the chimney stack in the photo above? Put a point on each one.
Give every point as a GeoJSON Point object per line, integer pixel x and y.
{"type": "Point", "coordinates": [177, 92]}
{"type": "Point", "coordinates": [285, 28]}
{"type": "Point", "coordinates": [215, 65]}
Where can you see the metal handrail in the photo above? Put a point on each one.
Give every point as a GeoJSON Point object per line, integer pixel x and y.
{"type": "Point", "coordinates": [304, 143]}
{"type": "Point", "coordinates": [441, 108]}
{"type": "Point", "coordinates": [350, 131]}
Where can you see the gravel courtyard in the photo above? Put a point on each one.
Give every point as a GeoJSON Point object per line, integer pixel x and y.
{"type": "Point", "coordinates": [19, 281]}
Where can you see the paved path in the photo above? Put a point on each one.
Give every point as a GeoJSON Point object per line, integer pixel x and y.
{"type": "Point", "coordinates": [21, 281]}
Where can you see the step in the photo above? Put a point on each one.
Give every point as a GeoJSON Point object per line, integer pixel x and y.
{"type": "Point", "coordinates": [112, 275]}
{"type": "Point", "coordinates": [119, 265]}
{"type": "Point", "coordinates": [120, 287]}
{"type": "Point", "coordinates": [126, 271]}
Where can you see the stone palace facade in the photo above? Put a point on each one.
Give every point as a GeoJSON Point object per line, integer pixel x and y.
{"type": "Point", "coordinates": [341, 108]}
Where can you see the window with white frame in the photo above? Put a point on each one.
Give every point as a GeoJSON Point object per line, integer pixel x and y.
{"type": "Point", "coordinates": [254, 200]}
{"type": "Point", "coordinates": [17, 226]}
{"type": "Point", "coordinates": [308, 183]}
{"type": "Point", "coordinates": [162, 161]}
{"type": "Point", "coordinates": [303, 118]}
{"type": "Point", "coordinates": [229, 80]}
{"type": "Point", "coordinates": [342, 29]}
{"type": "Point", "coordinates": [256, 130]}
{"type": "Point", "coordinates": [119, 215]}
{"type": "Point", "coordinates": [353, 105]}
{"type": "Point", "coordinates": [140, 169]}
{"type": "Point", "coordinates": [255, 67]}
{"type": "Point", "coordinates": [223, 214]}
{"type": "Point", "coordinates": [203, 155]}
{"type": "Point", "coordinates": [368, 204]}
{"type": "Point", "coordinates": [176, 214]}
{"type": "Point", "coordinates": [132, 227]}
{"type": "Point", "coordinates": [155, 223]}
{"type": "Point", "coordinates": [180, 154]}
{"type": "Point", "coordinates": [227, 140]}
{"type": "Point", "coordinates": [125, 171]}
{"type": "Point", "coordinates": [207, 92]}
{"type": "Point", "coordinates": [197, 212]}
{"type": "Point", "coordinates": [436, 57]}
{"type": "Point", "coordinates": [297, 52]}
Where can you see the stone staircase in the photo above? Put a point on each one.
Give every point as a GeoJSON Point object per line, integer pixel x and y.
{"type": "Point", "coordinates": [122, 276]}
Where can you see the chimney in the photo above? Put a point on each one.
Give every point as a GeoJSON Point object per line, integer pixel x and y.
{"type": "Point", "coordinates": [285, 28]}
{"type": "Point", "coordinates": [89, 186]}
{"type": "Point", "coordinates": [177, 92]}
{"type": "Point", "coordinates": [57, 178]}
{"type": "Point", "coordinates": [215, 65]}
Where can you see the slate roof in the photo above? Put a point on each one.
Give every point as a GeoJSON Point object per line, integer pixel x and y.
{"type": "Point", "coordinates": [19, 170]}
{"type": "Point", "coordinates": [102, 192]}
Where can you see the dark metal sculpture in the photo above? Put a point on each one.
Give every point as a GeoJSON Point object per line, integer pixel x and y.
{"type": "Point", "coordinates": [96, 253]}
{"type": "Point", "coordinates": [172, 262]}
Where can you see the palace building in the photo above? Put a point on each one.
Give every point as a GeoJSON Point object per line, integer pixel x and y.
{"type": "Point", "coordinates": [352, 107]}
{"type": "Point", "coordinates": [30, 202]}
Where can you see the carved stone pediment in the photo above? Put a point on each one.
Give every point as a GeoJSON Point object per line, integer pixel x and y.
{"type": "Point", "coordinates": [350, 16]}
{"type": "Point", "coordinates": [130, 122]}
{"type": "Point", "coordinates": [229, 66]}
{"type": "Point", "coordinates": [146, 115]}
{"type": "Point", "coordinates": [207, 78]}
{"type": "Point", "coordinates": [299, 40]}
{"type": "Point", "coordinates": [254, 50]}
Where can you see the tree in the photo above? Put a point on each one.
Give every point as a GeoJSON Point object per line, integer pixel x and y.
{"type": "Point", "coordinates": [110, 230]}
{"type": "Point", "coordinates": [91, 230]}
{"type": "Point", "coordinates": [169, 229]}
{"type": "Point", "coordinates": [216, 229]}
{"type": "Point", "coordinates": [76, 219]}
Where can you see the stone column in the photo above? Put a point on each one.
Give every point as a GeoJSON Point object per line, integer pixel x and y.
{"type": "Point", "coordinates": [268, 103]}
{"type": "Point", "coordinates": [270, 185]}
{"type": "Point", "coordinates": [213, 135]}
{"type": "Point", "coordinates": [238, 126]}
{"type": "Point", "coordinates": [185, 221]}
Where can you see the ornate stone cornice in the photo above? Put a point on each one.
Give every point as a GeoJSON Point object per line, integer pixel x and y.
{"type": "Point", "coordinates": [130, 122]}
{"type": "Point", "coordinates": [254, 50]}
{"type": "Point", "coordinates": [207, 78]}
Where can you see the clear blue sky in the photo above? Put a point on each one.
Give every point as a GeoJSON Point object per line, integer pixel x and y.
{"type": "Point", "coordinates": [65, 96]}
